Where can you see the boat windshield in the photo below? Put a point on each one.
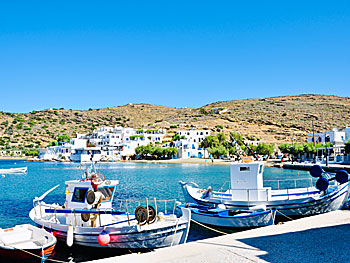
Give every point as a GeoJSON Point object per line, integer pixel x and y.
{"type": "Point", "coordinates": [107, 192]}
{"type": "Point", "coordinates": [79, 194]}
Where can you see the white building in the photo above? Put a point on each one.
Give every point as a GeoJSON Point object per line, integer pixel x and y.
{"type": "Point", "coordinates": [347, 134]}
{"type": "Point", "coordinates": [106, 143]}
{"type": "Point", "coordinates": [64, 151]}
{"type": "Point", "coordinates": [336, 137]}
{"type": "Point", "coordinates": [188, 146]}
{"type": "Point", "coordinates": [86, 154]}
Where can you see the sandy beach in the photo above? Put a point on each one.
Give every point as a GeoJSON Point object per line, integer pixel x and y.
{"type": "Point", "coordinates": [191, 160]}
{"type": "Point", "coordinates": [13, 158]}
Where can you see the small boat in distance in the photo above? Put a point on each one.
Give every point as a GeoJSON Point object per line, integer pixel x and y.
{"type": "Point", "coordinates": [222, 217]}
{"type": "Point", "coordinates": [25, 241]}
{"type": "Point", "coordinates": [88, 219]}
{"type": "Point", "coordinates": [14, 170]}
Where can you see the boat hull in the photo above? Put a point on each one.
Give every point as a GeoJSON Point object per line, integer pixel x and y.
{"type": "Point", "coordinates": [27, 254]}
{"type": "Point", "coordinates": [163, 233]}
{"type": "Point", "coordinates": [13, 170]}
{"type": "Point", "coordinates": [239, 220]}
{"type": "Point", "coordinates": [25, 242]}
{"type": "Point", "coordinates": [315, 203]}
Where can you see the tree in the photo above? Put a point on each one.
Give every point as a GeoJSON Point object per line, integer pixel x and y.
{"type": "Point", "coordinates": [210, 142]}
{"type": "Point", "coordinates": [142, 151]}
{"type": "Point", "coordinates": [221, 137]}
{"type": "Point", "coordinates": [53, 143]}
{"type": "Point", "coordinates": [172, 151]}
{"type": "Point", "coordinates": [284, 148]}
{"type": "Point", "coordinates": [296, 149]}
{"type": "Point", "coordinates": [63, 138]}
{"type": "Point", "coordinates": [155, 152]}
{"type": "Point", "coordinates": [264, 149]}
{"type": "Point", "coordinates": [218, 151]}
{"type": "Point", "coordinates": [158, 151]}
{"type": "Point", "coordinates": [176, 137]}
{"type": "Point", "coordinates": [347, 147]}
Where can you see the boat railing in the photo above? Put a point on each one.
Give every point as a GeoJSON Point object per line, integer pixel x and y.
{"type": "Point", "coordinates": [287, 186]}
{"type": "Point", "coordinates": [227, 183]}
{"type": "Point", "coordinates": [276, 184]}
{"type": "Point", "coordinates": [167, 206]}
{"type": "Point", "coordinates": [289, 183]}
{"type": "Point", "coordinates": [125, 204]}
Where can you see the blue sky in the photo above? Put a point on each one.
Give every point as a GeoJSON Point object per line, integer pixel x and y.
{"type": "Point", "coordinates": [95, 54]}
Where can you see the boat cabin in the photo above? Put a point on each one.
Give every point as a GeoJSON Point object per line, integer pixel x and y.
{"type": "Point", "coordinates": [85, 195]}
{"type": "Point", "coordinates": [247, 182]}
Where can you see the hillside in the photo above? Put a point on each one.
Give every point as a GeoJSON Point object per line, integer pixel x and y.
{"type": "Point", "coordinates": [273, 120]}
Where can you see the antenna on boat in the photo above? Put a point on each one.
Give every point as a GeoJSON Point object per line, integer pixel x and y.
{"type": "Point", "coordinates": [235, 141]}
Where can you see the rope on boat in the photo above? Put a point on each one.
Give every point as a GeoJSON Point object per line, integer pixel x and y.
{"type": "Point", "coordinates": [212, 229]}
{"type": "Point", "coordinates": [134, 200]}
{"type": "Point", "coordinates": [172, 242]}
{"type": "Point", "coordinates": [291, 219]}
{"type": "Point", "coordinates": [35, 255]}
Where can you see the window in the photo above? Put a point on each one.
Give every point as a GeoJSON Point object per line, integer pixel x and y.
{"type": "Point", "coordinates": [79, 195]}
{"type": "Point", "coordinates": [260, 169]}
{"type": "Point", "coordinates": [107, 192]}
{"type": "Point", "coordinates": [244, 169]}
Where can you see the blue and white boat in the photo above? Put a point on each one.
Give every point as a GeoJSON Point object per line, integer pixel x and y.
{"type": "Point", "coordinates": [13, 170]}
{"type": "Point", "coordinates": [222, 217]}
{"type": "Point", "coordinates": [88, 219]}
{"type": "Point", "coordinates": [246, 190]}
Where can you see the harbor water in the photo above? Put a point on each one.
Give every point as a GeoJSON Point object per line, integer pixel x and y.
{"type": "Point", "coordinates": [138, 181]}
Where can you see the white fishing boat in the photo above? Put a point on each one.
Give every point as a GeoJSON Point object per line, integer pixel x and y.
{"type": "Point", "coordinates": [88, 219]}
{"type": "Point", "coordinates": [222, 217]}
{"type": "Point", "coordinates": [13, 170]}
{"type": "Point", "coordinates": [246, 190]}
{"type": "Point", "coordinates": [25, 241]}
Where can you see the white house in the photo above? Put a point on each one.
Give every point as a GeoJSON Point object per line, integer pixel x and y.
{"type": "Point", "coordinates": [188, 146]}
{"type": "Point", "coordinates": [347, 133]}
{"type": "Point", "coordinates": [336, 137]}
{"type": "Point", "coordinates": [107, 143]}
{"type": "Point", "coordinates": [86, 154]}
{"type": "Point", "coordinates": [63, 151]}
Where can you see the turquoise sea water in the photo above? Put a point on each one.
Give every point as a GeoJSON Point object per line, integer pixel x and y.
{"type": "Point", "coordinates": [137, 181]}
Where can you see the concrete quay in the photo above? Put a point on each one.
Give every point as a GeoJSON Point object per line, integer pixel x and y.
{"type": "Point", "coordinates": [307, 166]}
{"type": "Point", "coordinates": [320, 238]}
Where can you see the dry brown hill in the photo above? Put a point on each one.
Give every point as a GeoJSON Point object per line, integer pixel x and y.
{"type": "Point", "coordinates": [273, 120]}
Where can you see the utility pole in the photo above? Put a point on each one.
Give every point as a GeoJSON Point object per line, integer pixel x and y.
{"type": "Point", "coordinates": [313, 138]}
{"type": "Point", "coordinates": [313, 133]}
